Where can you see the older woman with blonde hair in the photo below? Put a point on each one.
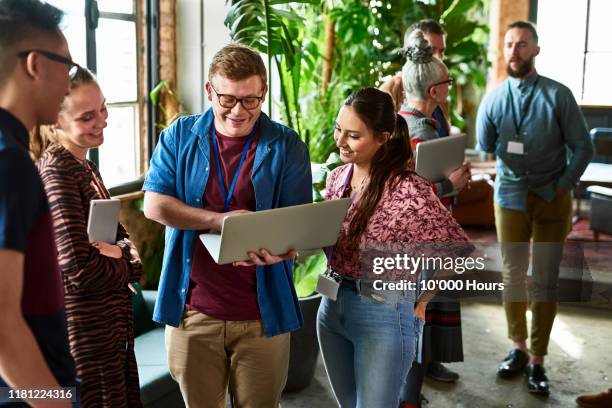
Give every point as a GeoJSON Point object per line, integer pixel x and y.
{"type": "Point", "coordinates": [426, 84]}
{"type": "Point", "coordinates": [96, 275]}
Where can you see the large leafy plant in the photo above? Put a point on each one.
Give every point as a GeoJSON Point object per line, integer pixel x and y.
{"type": "Point", "coordinates": [325, 49]}
{"type": "Point", "coordinates": [275, 28]}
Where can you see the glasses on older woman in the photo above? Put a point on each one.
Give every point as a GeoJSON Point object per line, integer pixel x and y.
{"type": "Point", "coordinates": [450, 81]}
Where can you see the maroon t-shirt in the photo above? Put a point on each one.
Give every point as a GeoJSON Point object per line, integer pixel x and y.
{"type": "Point", "coordinates": [225, 292]}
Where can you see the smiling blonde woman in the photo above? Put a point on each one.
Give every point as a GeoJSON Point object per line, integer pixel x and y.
{"type": "Point", "coordinates": [96, 274]}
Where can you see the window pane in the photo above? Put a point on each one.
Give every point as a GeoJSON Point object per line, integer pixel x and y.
{"type": "Point", "coordinates": [73, 27]}
{"type": "Point", "coordinates": [74, 30]}
{"type": "Point", "coordinates": [116, 58]}
{"type": "Point", "coordinates": [116, 6]}
{"type": "Point", "coordinates": [600, 29]}
{"type": "Point", "coordinates": [597, 79]}
{"type": "Point", "coordinates": [70, 6]}
{"type": "Point", "coordinates": [562, 63]}
{"type": "Point", "coordinates": [119, 155]}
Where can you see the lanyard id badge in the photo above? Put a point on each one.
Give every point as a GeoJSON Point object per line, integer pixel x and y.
{"type": "Point", "coordinates": [516, 147]}
{"type": "Point", "coordinates": [328, 286]}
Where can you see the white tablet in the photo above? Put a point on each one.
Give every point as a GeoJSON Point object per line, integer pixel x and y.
{"type": "Point", "coordinates": [103, 220]}
{"type": "Point", "coordinates": [301, 227]}
{"type": "Point", "coordinates": [436, 159]}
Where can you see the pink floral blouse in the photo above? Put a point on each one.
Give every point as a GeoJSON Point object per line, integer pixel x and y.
{"type": "Point", "coordinates": [409, 213]}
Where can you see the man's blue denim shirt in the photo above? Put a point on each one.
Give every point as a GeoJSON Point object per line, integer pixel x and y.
{"type": "Point", "coordinates": [281, 177]}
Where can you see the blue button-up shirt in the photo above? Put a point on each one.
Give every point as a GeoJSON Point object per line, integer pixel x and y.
{"type": "Point", "coordinates": [281, 177]}
{"type": "Point", "coordinates": [556, 143]}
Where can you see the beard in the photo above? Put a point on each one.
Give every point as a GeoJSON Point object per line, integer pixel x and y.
{"type": "Point", "coordinates": [522, 70]}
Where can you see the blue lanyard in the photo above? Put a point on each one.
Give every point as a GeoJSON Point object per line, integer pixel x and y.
{"type": "Point", "coordinates": [227, 195]}
{"type": "Point", "coordinates": [518, 122]}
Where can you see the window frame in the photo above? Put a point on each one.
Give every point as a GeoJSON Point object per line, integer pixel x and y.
{"type": "Point", "coordinates": [146, 12]}
{"type": "Point", "coordinates": [533, 16]}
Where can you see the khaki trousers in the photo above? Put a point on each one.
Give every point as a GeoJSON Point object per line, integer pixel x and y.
{"type": "Point", "coordinates": [205, 354]}
{"type": "Point", "coordinates": [548, 225]}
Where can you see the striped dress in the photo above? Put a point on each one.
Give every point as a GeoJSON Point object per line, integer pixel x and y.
{"type": "Point", "coordinates": [97, 298]}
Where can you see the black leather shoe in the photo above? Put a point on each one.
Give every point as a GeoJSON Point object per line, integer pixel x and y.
{"type": "Point", "coordinates": [513, 364]}
{"type": "Point", "coordinates": [437, 371]}
{"type": "Point", "coordinates": [537, 382]}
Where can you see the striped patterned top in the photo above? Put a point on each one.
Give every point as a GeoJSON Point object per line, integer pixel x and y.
{"type": "Point", "coordinates": [97, 298]}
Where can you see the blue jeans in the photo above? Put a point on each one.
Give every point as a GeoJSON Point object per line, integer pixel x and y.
{"type": "Point", "coordinates": [368, 346]}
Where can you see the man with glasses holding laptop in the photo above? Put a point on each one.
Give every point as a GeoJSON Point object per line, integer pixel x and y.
{"type": "Point", "coordinates": [34, 71]}
{"type": "Point", "coordinates": [226, 323]}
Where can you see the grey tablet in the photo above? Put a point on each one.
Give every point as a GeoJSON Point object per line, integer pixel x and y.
{"type": "Point", "coordinates": [301, 227]}
{"type": "Point", "coordinates": [103, 220]}
{"type": "Point", "coordinates": [436, 159]}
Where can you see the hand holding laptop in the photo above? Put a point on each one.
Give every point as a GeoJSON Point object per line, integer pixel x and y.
{"type": "Point", "coordinates": [217, 222]}
{"type": "Point", "coordinates": [266, 258]}
{"type": "Point", "coordinates": [112, 251]}
{"type": "Point", "coordinates": [460, 177]}
{"type": "Point", "coordinates": [271, 236]}
{"type": "Point", "coordinates": [109, 250]}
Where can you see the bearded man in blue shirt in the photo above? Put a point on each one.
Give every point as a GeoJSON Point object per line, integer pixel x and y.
{"type": "Point", "coordinates": [536, 129]}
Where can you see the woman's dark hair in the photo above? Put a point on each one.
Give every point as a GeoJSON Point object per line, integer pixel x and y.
{"type": "Point", "coordinates": [376, 109]}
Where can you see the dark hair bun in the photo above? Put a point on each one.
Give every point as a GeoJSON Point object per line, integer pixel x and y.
{"type": "Point", "coordinates": [417, 48]}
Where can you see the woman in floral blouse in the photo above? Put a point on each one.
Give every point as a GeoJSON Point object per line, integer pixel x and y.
{"type": "Point", "coordinates": [368, 336]}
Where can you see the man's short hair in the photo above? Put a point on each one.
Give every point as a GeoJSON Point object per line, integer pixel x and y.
{"type": "Point", "coordinates": [20, 22]}
{"type": "Point", "coordinates": [526, 25]}
{"type": "Point", "coordinates": [427, 26]}
{"type": "Point", "coordinates": [237, 62]}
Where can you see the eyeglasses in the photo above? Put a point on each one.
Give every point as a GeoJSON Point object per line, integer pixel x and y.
{"type": "Point", "coordinates": [73, 67]}
{"type": "Point", "coordinates": [449, 81]}
{"type": "Point", "coordinates": [229, 101]}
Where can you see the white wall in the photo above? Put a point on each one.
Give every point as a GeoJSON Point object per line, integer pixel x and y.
{"type": "Point", "coordinates": [200, 33]}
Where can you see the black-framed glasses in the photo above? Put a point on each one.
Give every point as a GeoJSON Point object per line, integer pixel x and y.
{"type": "Point", "coordinates": [229, 101]}
{"type": "Point", "coordinates": [450, 81]}
{"type": "Point", "coordinates": [73, 67]}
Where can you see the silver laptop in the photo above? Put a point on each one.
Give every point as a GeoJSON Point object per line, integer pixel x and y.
{"type": "Point", "coordinates": [302, 227]}
{"type": "Point", "coordinates": [436, 159]}
{"type": "Point", "coordinates": [103, 220]}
